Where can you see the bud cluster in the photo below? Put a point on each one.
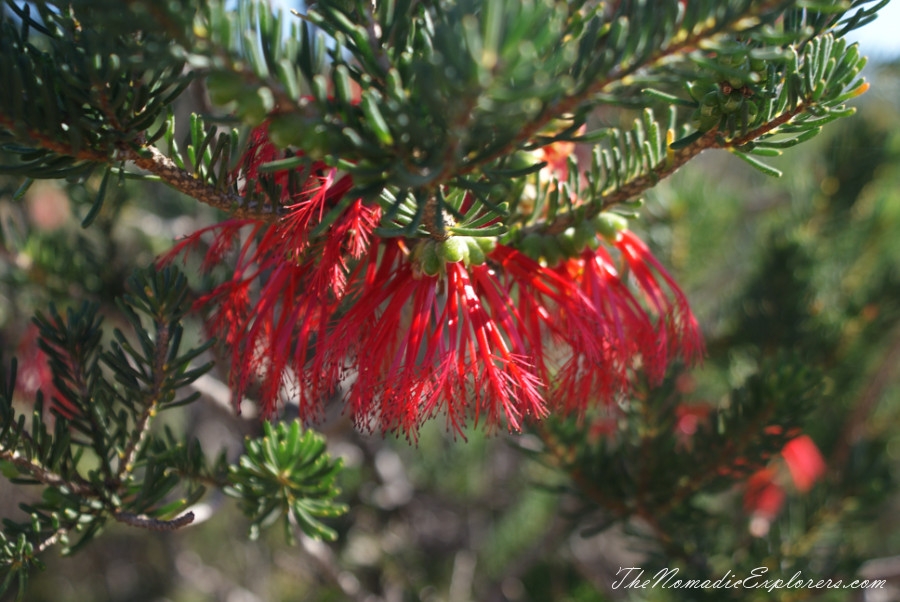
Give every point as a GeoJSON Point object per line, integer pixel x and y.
{"type": "Point", "coordinates": [430, 256]}
{"type": "Point", "coordinates": [571, 242]}
{"type": "Point", "coordinates": [736, 96]}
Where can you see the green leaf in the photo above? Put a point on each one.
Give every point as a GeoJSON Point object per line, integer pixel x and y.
{"type": "Point", "coordinates": [763, 167]}
{"type": "Point", "coordinates": [98, 202]}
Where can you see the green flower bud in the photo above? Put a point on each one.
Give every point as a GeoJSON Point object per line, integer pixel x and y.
{"type": "Point", "coordinates": [429, 261]}
{"type": "Point", "coordinates": [550, 250]}
{"type": "Point", "coordinates": [700, 88]}
{"type": "Point", "coordinates": [733, 102]}
{"type": "Point", "coordinates": [585, 234]}
{"type": "Point", "coordinates": [486, 243]}
{"type": "Point", "coordinates": [710, 106]}
{"type": "Point", "coordinates": [476, 255]}
{"type": "Point", "coordinates": [609, 225]}
{"type": "Point", "coordinates": [454, 249]}
{"type": "Point", "coordinates": [531, 245]}
{"type": "Point", "coordinates": [224, 87]}
{"type": "Point", "coordinates": [566, 242]}
{"type": "Point", "coordinates": [712, 98]}
{"type": "Point", "coordinates": [254, 105]}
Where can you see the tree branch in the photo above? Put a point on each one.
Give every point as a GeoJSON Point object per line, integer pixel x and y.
{"type": "Point", "coordinates": [47, 477]}
{"type": "Point", "coordinates": [665, 168]}
{"type": "Point", "coordinates": [153, 524]}
{"type": "Point", "coordinates": [139, 433]}
{"type": "Point", "coordinates": [569, 104]}
{"type": "Point", "coordinates": [151, 159]}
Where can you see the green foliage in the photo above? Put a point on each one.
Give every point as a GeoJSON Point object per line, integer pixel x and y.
{"type": "Point", "coordinates": [804, 344]}
{"type": "Point", "coordinates": [733, 440]}
{"type": "Point", "coordinates": [287, 474]}
{"type": "Point", "coordinates": [439, 110]}
{"type": "Point", "coordinates": [97, 458]}
{"type": "Point", "coordinates": [446, 92]}
{"type": "Point", "coordinates": [75, 86]}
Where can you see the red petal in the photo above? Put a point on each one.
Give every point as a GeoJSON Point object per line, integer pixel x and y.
{"type": "Point", "coordinates": [804, 461]}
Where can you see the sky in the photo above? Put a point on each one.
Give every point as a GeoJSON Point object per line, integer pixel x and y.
{"type": "Point", "coordinates": [880, 40]}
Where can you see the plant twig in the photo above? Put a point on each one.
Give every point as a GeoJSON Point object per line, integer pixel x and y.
{"type": "Point", "coordinates": [139, 433]}
{"type": "Point", "coordinates": [45, 476]}
{"type": "Point", "coordinates": [154, 524]}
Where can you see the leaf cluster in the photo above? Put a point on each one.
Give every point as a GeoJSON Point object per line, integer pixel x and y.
{"type": "Point", "coordinates": [644, 467]}
{"type": "Point", "coordinates": [76, 94]}
{"type": "Point", "coordinates": [419, 96]}
{"type": "Point", "coordinates": [415, 100]}
{"type": "Point", "coordinates": [96, 457]}
{"type": "Point", "coordinates": [287, 473]}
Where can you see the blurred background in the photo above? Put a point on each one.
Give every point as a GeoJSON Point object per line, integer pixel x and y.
{"type": "Point", "coordinates": [808, 263]}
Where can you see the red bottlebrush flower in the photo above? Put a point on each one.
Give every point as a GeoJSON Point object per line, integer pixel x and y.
{"type": "Point", "coordinates": [765, 496]}
{"type": "Point", "coordinates": [680, 334]}
{"type": "Point", "coordinates": [688, 419]}
{"type": "Point", "coordinates": [628, 334]}
{"type": "Point", "coordinates": [429, 344]}
{"type": "Point", "coordinates": [34, 374]}
{"type": "Point", "coordinates": [557, 156]}
{"type": "Point", "coordinates": [561, 324]}
{"type": "Point", "coordinates": [285, 286]}
{"type": "Point", "coordinates": [299, 291]}
{"type": "Point", "coordinates": [307, 315]}
{"type": "Point", "coordinates": [624, 330]}
{"type": "Point", "coordinates": [804, 462]}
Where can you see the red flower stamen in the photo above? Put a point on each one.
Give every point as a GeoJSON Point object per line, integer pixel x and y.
{"type": "Point", "coordinates": [683, 337]}
{"type": "Point", "coordinates": [308, 316]}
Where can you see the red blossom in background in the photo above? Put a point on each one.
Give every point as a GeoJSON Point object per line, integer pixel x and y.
{"type": "Point", "coordinates": [34, 374]}
{"type": "Point", "coordinates": [764, 495]}
{"type": "Point", "coordinates": [804, 462]}
{"type": "Point", "coordinates": [501, 342]}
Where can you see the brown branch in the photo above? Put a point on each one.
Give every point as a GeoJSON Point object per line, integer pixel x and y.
{"type": "Point", "coordinates": [619, 509]}
{"type": "Point", "coordinates": [569, 104]}
{"type": "Point", "coordinates": [153, 524]}
{"type": "Point", "coordinates": [152, 160]}
{"type": "Point", "coordinates": [47, 477]}
{"type": "Point", "coordinates": [139, 433]}
{"type": "Point", "coordinates": [632, 188]}
{"type": "Point", "coordinates": [665, 168]}
{"type": "Point", "coordinates": [47, 143]}
{"type": "Point", "coordinates": [149, 158]}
